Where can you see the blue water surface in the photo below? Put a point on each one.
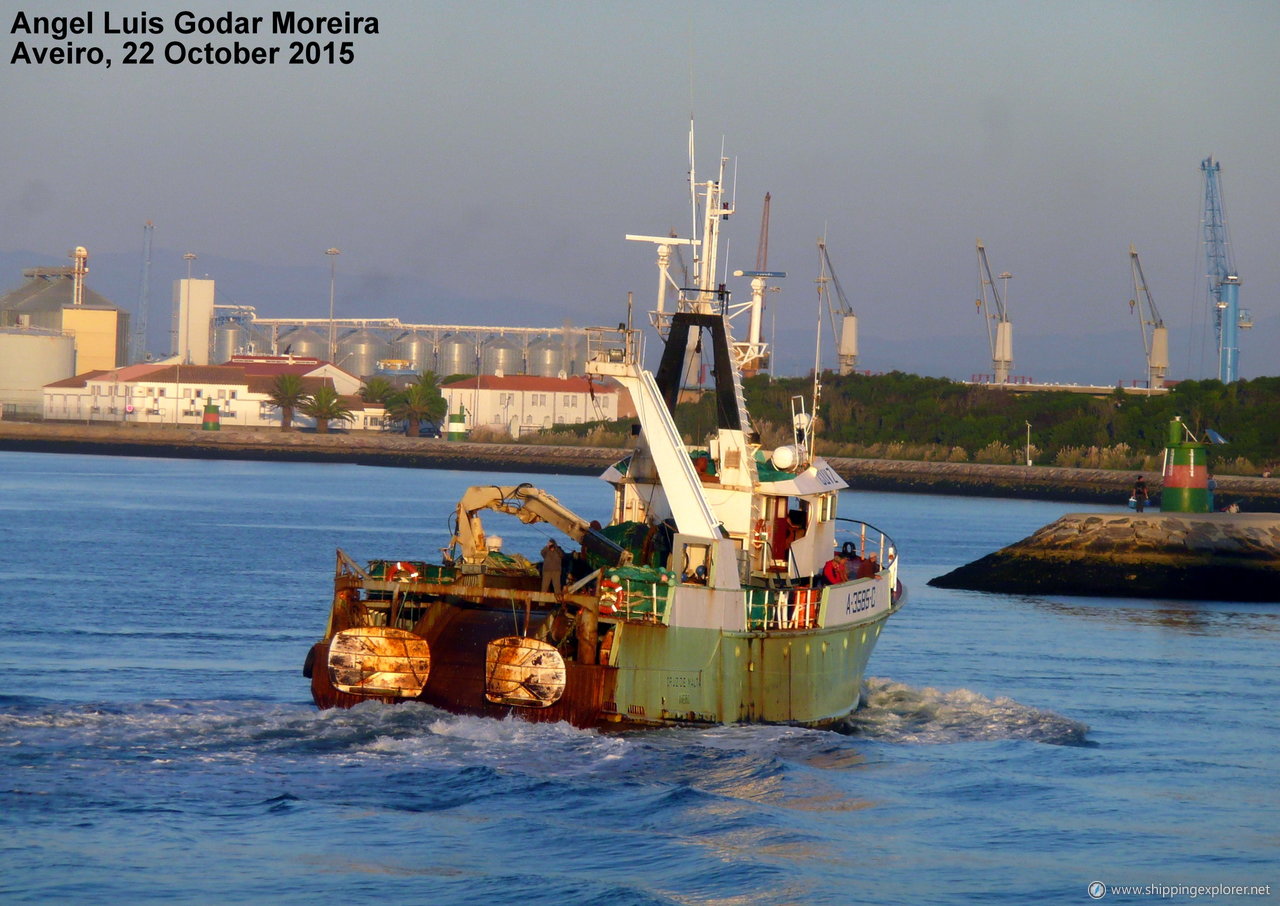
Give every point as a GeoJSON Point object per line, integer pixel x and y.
{"type": "Point", "coordinates": [158, 743]}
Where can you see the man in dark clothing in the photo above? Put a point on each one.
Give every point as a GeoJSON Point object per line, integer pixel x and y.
{"type": "Point", "coordinates": [1139, 494]}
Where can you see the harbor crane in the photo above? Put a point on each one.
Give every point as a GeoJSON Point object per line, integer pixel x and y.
{"type": "Point", "coordinates": [844, 323]}
{"type": "Point", "coordinates": [1000, 337]}
{"type": "Point", "coordinates": [1155, 336]}
{"type": "Point", "coordinates": [138, 341]}
{"type": "Point", "coordinates": [752, 354]}
{"type": "Point", "coordinates": [1224, 281]}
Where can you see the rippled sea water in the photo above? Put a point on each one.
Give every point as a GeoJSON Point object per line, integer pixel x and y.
{"type": "Point", "coordinates": [158, 743]}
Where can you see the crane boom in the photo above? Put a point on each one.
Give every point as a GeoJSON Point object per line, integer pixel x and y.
{"type": "Point", "coordinates": [752, 353]}
{"type": "Point", "coordinates": [999, 337]}
{"type": "Point", "coordinates": [528, 504]}
{"type": "Point", "coordinates": [762, 249]}
{"type": "Point", "coordinates": [845, 329]}
{"type": "Point", "coordinates": [1155, 337]}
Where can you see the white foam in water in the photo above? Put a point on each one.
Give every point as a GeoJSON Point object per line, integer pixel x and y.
{"type": "Point", "coordinates": [439, 736]}
{"type": "Point", "coordinates": [896, 712]}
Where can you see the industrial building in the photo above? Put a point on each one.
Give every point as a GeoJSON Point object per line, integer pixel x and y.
{"type": "Point", "coordinates": [52, 327]}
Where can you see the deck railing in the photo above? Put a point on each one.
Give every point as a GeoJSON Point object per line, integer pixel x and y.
{"type": "Point", "coordinates": [868, 543]}
{"type": "Point", "coordinates": [633, 599]}
{"type": "Point", "coordinates": [783, 608]}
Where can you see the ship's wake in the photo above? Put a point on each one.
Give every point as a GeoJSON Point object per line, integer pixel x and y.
{"type": "Point", "coordinates": [896, 712]}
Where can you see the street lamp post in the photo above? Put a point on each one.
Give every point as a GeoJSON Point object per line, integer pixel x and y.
{"type": "Point", "coordinates": [333, 273]}
{"type": "Point", "coordinates": [1028, 443]}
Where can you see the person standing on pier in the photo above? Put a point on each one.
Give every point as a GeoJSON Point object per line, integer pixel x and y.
{"type": "Point", "coordinates": [1140, 494]}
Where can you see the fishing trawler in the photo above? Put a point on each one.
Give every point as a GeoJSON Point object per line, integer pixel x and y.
{"type": "Point", "coordinates": [725, 588]}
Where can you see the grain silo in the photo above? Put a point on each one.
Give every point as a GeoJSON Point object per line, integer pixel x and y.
{"type": "Point", "coordinates": [501, 356]}
{"type": "Point", "coordinates": [546, 356]}
{"type": "Point", "coordinates": [416, 349]}
{"type": "Point", "coordinates": [457, 356]}
{"type": "Point", "coordinates": [230, 337]}
{"type": "Point", "coordinates": [304, 342]}
{"type": "Point", "coordinates": [360, 351]}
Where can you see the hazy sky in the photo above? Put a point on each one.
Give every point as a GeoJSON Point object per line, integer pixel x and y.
{"type": "Point", "coordinates": [487, 158]}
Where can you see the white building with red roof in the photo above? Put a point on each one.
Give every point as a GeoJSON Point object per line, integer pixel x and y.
{"type": "Point", "coordinates": [522, 403]}
{"type": "Point", "coordinates": [176, 394]}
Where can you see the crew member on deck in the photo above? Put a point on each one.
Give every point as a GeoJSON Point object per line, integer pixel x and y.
{"type": "Point", "coordinates": [836, 570]}
{"type": "Point", "coordinates": [552, 566]}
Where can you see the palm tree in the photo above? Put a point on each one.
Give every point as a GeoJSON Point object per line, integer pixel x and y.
{"type": "Point", "coordinates": [377, 390]}
{"type": "Point", "coordinates": [325, 405]}
{"type": "Point", "coordinates": [420, 401]}
{"type": "Point", "coordinates": [287, 394]}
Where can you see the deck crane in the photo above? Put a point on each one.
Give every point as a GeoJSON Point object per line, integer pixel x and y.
{"type": "Point", "coordinates": [846, 331]}
{"type": "Point", "coordinates": [1155, 336]}
{"type": "Point", "coordinates": [138, 342]}
{"type": "Point", "coordinates": [1224, 281]}
{"type": "Point", "coordinates": [1001, 337]}
{"type": "Point", "coordinates": [752, 354]}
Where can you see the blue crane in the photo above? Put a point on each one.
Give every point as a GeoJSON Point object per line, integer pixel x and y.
{"type": "Point", "coordinates": [1224, 281]}
{"type": "Point", "coordinates": [138, 350]}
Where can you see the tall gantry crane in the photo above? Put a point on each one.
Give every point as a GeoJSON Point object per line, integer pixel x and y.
{"type": "Point", "coordinates": [1155, 336]}
{"type": "Point", "coordinates": [1224, 282]}
{"type": "Point", "coordinates": [844, 323]}
{"type": "Point", "coordinates": [999, 336]}
{"type": "Point", "coordinates": [138, 342]}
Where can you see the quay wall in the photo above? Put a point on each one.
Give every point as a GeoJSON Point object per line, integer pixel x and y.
{"type": "Point", "coordinates": [969, 479]}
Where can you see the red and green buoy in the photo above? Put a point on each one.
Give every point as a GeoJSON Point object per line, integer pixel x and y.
{"type": "Point", "coordinates": [1186, 472]}
{"type": "Point", "coordinates": [212, 420]}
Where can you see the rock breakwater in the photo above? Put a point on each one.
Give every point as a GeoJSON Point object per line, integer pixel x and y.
{"type": "Point", "coordinates": [1212, 556]}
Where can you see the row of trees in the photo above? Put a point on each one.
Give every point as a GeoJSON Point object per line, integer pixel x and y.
{"type": "Point", "coordinates": [419, 402]}
{"type": "Point", "coordinates": [905, 416]}
{"type": "Point", "coordinates": [960, 420]}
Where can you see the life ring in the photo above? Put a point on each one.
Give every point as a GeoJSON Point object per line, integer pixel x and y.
{"type": "Point", "coordinates": [610, 596]}
{"type": "Point", "coordinates": [849, 549]}
{"type": "Point", "coordinates": [759, 536]}
{"type": "Point", "coordinates": [401, 568]}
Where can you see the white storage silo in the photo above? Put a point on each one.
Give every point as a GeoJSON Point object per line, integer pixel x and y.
{"type": "Point", "coordinates": [457, 356]}
{"type": "Point", "coordinates": [360, 351]}
{"type": "Point", "coordinates": [546, 356]}
{"type": "Point", "coordinates": [230, 338]}
{"type": "Point", "coordinates": [304, 342]}
{"type": "Point", "coordinates": [416, 349]}
{"type": "Point", "coordinates": [502, 356]}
